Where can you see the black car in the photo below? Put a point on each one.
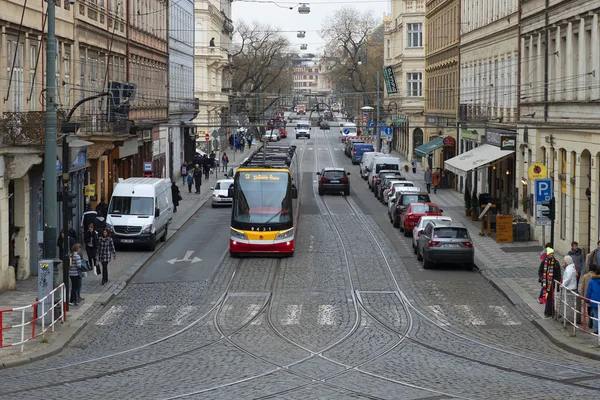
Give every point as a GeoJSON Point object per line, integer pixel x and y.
{"type": "Point", "coordinates": [334, 180]}
{"type": "Point", "coordinates": [381, 176]}
{"type": "Point", "coordinates": [324, 125]}
{"type": "Point", "coordinates": [403, 200]}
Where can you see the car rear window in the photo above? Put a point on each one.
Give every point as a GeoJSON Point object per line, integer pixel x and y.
{"type": "Point", "coordinates": [424, 208]}
{"type": "Point", "coordinates": [403, 184]}
{"type": "Point", "coordinates": [389, 167]}
{"type": "Point", "coordinates": [415, 198]}
{"type": "Point", "coordinates": [450, 233]}
{"type": "Point", "coordinates": [333, 174]}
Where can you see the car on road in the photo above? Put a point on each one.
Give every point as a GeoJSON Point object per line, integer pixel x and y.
{"type": "Point", "coordinates": [423, 221]}
{"type": "Point", "coordinates": [220, 193]}
{"type": "Point", "coordinates": [272, 135]}
{"type": "Point", "coordinates": [390, 189]}
{"type": "Point", "coordinates": [402, 201]}
{"type": "Point", "coordinates": [324, 125]}
{"type": "Point", "coordinates": [397, 192]}
{"type": "Point", "coordinates": [380, 179]}
{"type": "Point", "coordinates": [410, 218]}
{"type": "Point", "coordinates": [445, 242]}
{"type": "Point", "coordinates": [302, 129]}
{"type": "Point", "coordinates": [333, 180]}
{"type": "Point", "coordinates": [358, 150]}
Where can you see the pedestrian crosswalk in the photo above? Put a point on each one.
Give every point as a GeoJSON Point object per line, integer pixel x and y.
{"type": "Point", "coordinates": [325, 315]}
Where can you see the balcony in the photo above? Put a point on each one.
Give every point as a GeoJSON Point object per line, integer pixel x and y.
{"type": "Point", "coordinates": [97, 125]}
{"type": "Point", "coordinates": [24, 128]}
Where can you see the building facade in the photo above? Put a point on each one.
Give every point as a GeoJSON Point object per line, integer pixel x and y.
{"type": "Point", "coordinates": [404, 63]}
{"type": "Point", "coordinates": [442, 74]}
{"type": "Point", "coordinates": [559, 115]}
{"type": "Point", "coordinates": [180, 133]}
{"type": "Point", "coordinates": [306, 77]}
{"type": "Point", "coordinates": [489, 54]}
{"type": "Point", "coordinates": [213, 29]}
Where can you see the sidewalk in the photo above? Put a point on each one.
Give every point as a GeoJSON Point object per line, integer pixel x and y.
{"type": "Point", "coordinates": [121, 271]}
{"type": "Point", "coordinates": [511, 267]}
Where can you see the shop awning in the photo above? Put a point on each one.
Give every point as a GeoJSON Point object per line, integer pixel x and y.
{"type": "Point", "coordinates": [429, 147]}
{"type": "Point", "coordinates": [398, 122]}
{"type": "Point", "coordinates": [476, 158]}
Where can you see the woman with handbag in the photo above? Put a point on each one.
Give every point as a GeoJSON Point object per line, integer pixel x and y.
{"type": "Point", "coordinates": [74, 271]}
{"type": "Point", "coordinates": [106, 252]}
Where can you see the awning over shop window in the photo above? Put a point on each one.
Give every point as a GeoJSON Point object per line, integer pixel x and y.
{"type": "Point", "coordinates": [398, 122]}
{"type": "Point", "coordinates": [429, 147]}
{"type": "Point", "coordinates": [476, 158]}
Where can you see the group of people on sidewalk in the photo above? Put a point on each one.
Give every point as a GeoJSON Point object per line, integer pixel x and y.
{"type": "Point", "coordinates": [579, 275]}
{"type": "Point", "coordinates": [100, 250]}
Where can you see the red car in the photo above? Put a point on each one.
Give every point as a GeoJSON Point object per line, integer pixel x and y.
{"type": "Point", "coordinates": [410, 218]}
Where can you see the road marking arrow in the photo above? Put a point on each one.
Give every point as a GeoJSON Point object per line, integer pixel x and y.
{"type": "Point", "coordinates": [187, 258]}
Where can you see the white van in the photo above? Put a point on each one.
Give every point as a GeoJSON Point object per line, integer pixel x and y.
{"type": "Point", "coordinates": [302, 129]}
{"type": "Point", "coordinates": [366, 161]}
{"type": "Point", "coordinates": [140, 211]}
{"type": "Point", "coordinates": [382, 163]}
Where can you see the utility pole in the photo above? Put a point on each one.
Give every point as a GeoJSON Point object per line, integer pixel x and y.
{"type": "Point", "coordinates": [50, 190]}
{"type": "Point", "coordinates": [377, 128]}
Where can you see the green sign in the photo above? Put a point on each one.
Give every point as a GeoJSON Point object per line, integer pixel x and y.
{"type": "Point", "coordinates": [469, 134]}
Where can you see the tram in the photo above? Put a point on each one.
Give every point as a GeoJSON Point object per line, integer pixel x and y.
{"type": "Point", "coordinates": [264, 195]}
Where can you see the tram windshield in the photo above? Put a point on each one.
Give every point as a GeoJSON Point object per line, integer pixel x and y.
{"type": "Point", "coordinates": [262, 197]}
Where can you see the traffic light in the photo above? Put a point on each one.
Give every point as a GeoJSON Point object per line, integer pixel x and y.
{"type": "Point", "coordinates": [71, 204]}
{"type": "Point", "coordinates": [549, 210]}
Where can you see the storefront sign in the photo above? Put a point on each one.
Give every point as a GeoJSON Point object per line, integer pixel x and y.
{"type": "Point", "coordinates": [495, 137]}
{"type": "Point", "coordinates": [449, 141]}
{"type": "Point", "coordinates": [537, 171]}
{"type": "Point", "coordinates": [504, 228]}
{"type": "Point", "coordinates": [469, 134]}
{"type": "Point", "coordinates": [390, 80]}
{"type": "Point", "coordinates": [148, 166]}
{"type": "Point", "coordinates": [508, 142]}
{"type": "Point", "coordinates": [89, 190]}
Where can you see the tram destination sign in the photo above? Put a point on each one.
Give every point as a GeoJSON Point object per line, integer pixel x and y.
{"type": "Point", "coordinates": [262, 176]}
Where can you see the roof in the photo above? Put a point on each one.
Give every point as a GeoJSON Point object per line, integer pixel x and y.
{"type": "Point", "coordinates": [270, 156]}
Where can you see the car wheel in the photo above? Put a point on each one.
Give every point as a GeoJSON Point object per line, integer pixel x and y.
{"type": "Point", "coordinates": [401, 226]}
{"type": "Point", "coordinates": [347, 192]}
{"type": "Point", "coordinates": [407, 232]}
{"type": "Point", "coordinates": [396, 223]}
{"type": "Point", "coordinates": [419, 256]}
{"type": "Point", "coordinates": [163, 238]}
{"type": "Point", "coordinates": [152, 244]}
{"type": "Point", "coordinates": [214, 205]}
{"type": "Point", "coordinates": [414, 249]}
{"type": "Point", "coordinates": [308, 137]}
{"type": "Point", "coordinates": [297, 136]}
{"type": "Point", "coordinates": [470, 266]}
{"type": "Point", "coordinates": [321, 192]}
{"type": "Point", "coordinates": [426, 264]}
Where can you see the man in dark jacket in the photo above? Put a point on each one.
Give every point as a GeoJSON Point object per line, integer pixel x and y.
{"type": "Point", "coordinates": [197, 177]}
{"type": "Point", "coordinates": [175, 193]}
{"type": "Point", "coordinates": [102, 207]}
{"type": "Point", "coordinates": [549, 272]}
{"type": "Point", "coordinates": [578, 259]}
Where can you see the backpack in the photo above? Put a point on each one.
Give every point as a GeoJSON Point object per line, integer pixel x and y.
{"type": "Point", "coordinates": [190, 179]}
{"type": "Point", "coordinates": [184, 170]}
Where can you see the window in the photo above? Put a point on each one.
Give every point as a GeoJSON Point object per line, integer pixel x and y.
{"type": "Point", "coordinates": [414, 84]}
{"type": "Point", "coordinates": [199, 34]}
{"type": "Point", "coordinates": [14, 52]}
{"type": "Point", "coordinates": [32, 69]}
{"type": "Point", "coordinates": [67, 79]}
{"type": "Point", "coordinates": [389, 48]}
{"type": "Point", "coordinates": [415, 35]}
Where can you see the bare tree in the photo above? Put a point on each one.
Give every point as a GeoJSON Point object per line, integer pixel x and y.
{"type": "Point", "coordinates": [261, 68]}
{"type": "Point", "coordinates": [355, 42]}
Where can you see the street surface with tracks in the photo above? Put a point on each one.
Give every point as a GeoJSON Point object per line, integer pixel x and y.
{"type": "Point", "coordinates": [351, 315]}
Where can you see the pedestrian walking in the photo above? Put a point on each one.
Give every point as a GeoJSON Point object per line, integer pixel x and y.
{"type": "Point", "coordinates": [184, 172]}
{"type": "Point", "coordinates": [578, 259]}
{"type": "Point", "coordinates": [90, 238]}
{"type": "Point", "coordinates": [435, 180]}
{"type": "Point", "coordinates": [197, 177]}
{"type": "Point", "coordinates": [548, 272]}
{"type": "Point", "coordinates": [106, 252]}
{"type": "Point", "coordinates": [176, 195]}
{"type": "Point", "coordinates": [592, 295]}
{"type": "Point", "coordinates": [224, 161]}
{"type": "Point", "coordinates": [413, 165]}
{"type": "Point", "coordinates": [427, 178]}
{"type": "Point", "coordinates": [594, 256]}
{"type": "Point", "coordinates": [206, 167]}
{"type": "Point", "coordinates": [585, 280]}
{"type": "Point", "coordinates": [75, 259]}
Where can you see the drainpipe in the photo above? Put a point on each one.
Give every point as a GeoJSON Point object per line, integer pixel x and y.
{"type": "Point", "coordinates": [546, 67]}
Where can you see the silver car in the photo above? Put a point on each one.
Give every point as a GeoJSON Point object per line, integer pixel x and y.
{"type": "Point", "coordinates": [220, 193]}
{"type": "Point", "coordinates": [423, 221]}
{"type": "Point", "coordinates": [445, 242]}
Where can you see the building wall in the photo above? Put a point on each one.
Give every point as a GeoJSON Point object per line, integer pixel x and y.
{"type": "Point", "coordinates": [404, 54]}
{"type": "Point", "coordinates": [564, 133]}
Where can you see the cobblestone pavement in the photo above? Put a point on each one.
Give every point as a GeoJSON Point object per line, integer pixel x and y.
{"type": "Point", "coordinates": [351, 315]}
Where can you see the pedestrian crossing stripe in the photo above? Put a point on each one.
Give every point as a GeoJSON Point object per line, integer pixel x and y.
{"type": "Point", "coordinates": [296, 314]}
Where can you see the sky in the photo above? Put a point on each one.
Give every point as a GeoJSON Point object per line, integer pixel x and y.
{"type": "Point", "coordinates": [290, 20]}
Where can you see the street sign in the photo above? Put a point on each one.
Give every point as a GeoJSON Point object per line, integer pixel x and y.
{"type": "Point", "coordinates": [371, 124]}
{"type": "Point", "coordinates": [207, 137]}
{"type": "Point", "coordinates": [540, 218]}
{"type": "Point", "coordinates": [543, 190]}
{"type": "Point", "coordinates": [388, 131]}
{"type": "Point", "coordinates": [346, 131]}
{"type": "Point", "coordinates": [388, 122]}
{"type": "Point", "coordinates": [215, 134]}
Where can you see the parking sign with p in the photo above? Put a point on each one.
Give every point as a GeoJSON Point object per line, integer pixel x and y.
{"type": "Point", "coordinates": [543, 190]}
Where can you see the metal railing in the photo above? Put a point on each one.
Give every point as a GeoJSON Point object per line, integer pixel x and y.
{"type": "Point", "coordinates": [573, 309]}
{"type": "Point", "coordinates": [57, 308]}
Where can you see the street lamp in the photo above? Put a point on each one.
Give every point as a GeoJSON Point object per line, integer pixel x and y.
{"type": "Point", "coordinates": [303, 9]}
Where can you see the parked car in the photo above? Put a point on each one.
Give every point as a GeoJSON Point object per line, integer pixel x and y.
{"type": "Point", "coordinates": [220, 193]}
{"type": "Point", "coordinates": [378, 164]}
{"type": "Point", "coordinates": [423, 221]}
{"type": "Point", "coordinates": [380, 179]}
{"type": "Point", "coordinates": [390, 189]}
{"type": "Point", "coordinates": [445, 242]}
{"type": "Point", "coordinates": [402, 201]}
{"type": "Point", "coordinates": [397, 192]}
{"type": "Point", "coordinates": [348, 146]}
{"type": "Point", "coordinates": [410, 218]}
{"type": "Point", "coordinates": [365, 161]}
{"type": "Point", "coordinates": [334, 180]}
{"type": "Point", "coordinates": [358, 149]}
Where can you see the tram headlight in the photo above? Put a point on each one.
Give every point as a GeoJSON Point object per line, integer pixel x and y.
{"type": "Point", "coordinates": [237, 234]}
{"type": "Point", "coordinates": [285, 234]}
